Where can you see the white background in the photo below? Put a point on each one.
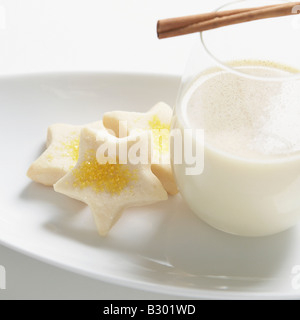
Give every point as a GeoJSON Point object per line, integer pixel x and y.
{"type": "Point", "coordinates": [94, 35]}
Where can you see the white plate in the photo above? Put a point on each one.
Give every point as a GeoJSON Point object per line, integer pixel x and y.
{"type": "Point", "coordinates": [164, 247]}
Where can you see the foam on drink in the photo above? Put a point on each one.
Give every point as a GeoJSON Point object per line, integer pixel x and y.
{"type": "Point", "coordinates": [245, 117]}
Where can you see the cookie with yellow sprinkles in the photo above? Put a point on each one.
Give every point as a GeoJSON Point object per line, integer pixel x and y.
{"type": "Point", "coordinates": [108, 184]}
{"type": "Point", "coordinates": [158, 121]}
{"type": "Point", "coordinates": [61, 154]}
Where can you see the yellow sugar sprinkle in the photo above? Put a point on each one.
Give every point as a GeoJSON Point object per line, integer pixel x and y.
{"type": "Point", "coordinates": [160, 133]}
{"type": "Point", "coordinates": [71, 149]}
{"type": "Point", "coordinates": [50, 157]}
{"type": "Point", "coordinates": [110, 178]}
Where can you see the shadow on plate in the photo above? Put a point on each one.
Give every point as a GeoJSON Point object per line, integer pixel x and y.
{"type": "Point", "coordinates": [166, 243]}
{"type": "Point", "coordinates": [226, 261]}
{"type": "Point", "coordinates": [39, 193]}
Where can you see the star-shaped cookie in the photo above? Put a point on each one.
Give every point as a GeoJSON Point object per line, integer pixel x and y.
{"type": "Point", "coordinates": [107, 185]}
{"type": "Point", "coordinates": [158, 120]}
{"type": "Point", "coordinates": [61, 154]}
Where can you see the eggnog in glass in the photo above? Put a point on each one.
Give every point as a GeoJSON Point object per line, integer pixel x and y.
{"type": "Point", "coordinates": [242, 88]}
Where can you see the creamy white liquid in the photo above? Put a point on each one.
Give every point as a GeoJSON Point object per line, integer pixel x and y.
{"type": "Point", "coordinates": [245, 117]}
{"type": "Point", "coordinates": [251, 180]}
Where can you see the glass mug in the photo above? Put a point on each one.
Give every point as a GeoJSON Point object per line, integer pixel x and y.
{"type": "Point", "coordinates": [242, 89]}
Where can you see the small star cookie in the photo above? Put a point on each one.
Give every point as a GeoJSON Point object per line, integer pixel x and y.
{"type": "Point", "coordinates": [61, 154]}
{"type": "Point", "coordinates": [107, 185]}
{"type": "Point", "coordinates": [158, 120]}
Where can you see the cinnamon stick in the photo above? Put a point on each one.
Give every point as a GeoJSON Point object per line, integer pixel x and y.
{"type": "Point", "coordinates": [197, 23]}
{"type": "Point", "coordinates": [180, 22]}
